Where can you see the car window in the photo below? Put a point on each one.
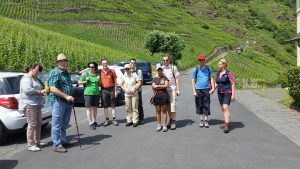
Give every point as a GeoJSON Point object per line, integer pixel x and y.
{"type": "Point", "coordinates": [10, 85]}
{"type": "Point", "coordinates": [142, 66]}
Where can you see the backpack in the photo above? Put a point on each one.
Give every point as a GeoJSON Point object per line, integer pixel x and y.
{"type": "Point", "coordinates": [206, 67]}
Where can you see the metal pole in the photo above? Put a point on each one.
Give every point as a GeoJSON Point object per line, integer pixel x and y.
{"type": "Point", "coordinates": [239, 70]}
{"type": "Point", "coordinates": [298, 31]}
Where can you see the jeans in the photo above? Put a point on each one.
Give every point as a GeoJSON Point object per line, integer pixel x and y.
{"type": "Point", "coordinates": [202, 102]}
{"type": "Point", "coordinates": [61, 114]}
{"type": "Point", "coordinates": [141, 109]}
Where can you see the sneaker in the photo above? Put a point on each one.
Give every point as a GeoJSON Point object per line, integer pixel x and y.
{"type": "Point", "coordinates": [201, 124]}
{"type": "Point", "coordinates": [34, 148]}
{"type": "Point", "coordinates": [226, 129]}
{"type": "Point", "coordinates": [135, 124]}
{"type": "Point", "coordinates": [173, 125]}
{"type": "Point", "coordinates": [159, 128]}
{"type": "Point", "coordinates": [206, 124]}
{"type": "Point", "coordinates": [96, 124]}
{"type": "Point", "coordinates": [106, 123]}
{"type": "Point", "coordinates": [93, 126]}
{"type": "Point", "coordinates": [114, 122]}
{"type": "Point", "coordinates": [60, 149]}
{"type": "Point", "coordinates": [169, 124]}
{"type": "Point", "coordinates": [128, 124]}
{"type": "Point", "coordinates": [165, 129]}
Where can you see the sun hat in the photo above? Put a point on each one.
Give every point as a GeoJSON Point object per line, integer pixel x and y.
{"type": "Point", "coordinates": [61, 57]}
{"type": "Point", "coordinates": [126, 66]}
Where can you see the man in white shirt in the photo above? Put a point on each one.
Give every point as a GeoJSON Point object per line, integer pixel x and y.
{"type": "Point", "coordinates": [171, 72]}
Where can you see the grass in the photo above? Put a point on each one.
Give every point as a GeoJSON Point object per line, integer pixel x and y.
{"type": "Point", "coordinates": [119, 28]}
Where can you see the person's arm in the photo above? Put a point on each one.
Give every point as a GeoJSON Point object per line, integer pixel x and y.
{"type": "Point", "coordinates": [211, 82]}
{"type": "Point", "coordinates": [83, 79]}
{"type": "Point", "coordinates": [194, 83]}
{"type": "Point", "coordinates": [28, 89]}
{"type": "Point", "coordinates": [177, 81]}
{"type": "Point", "coordinates": [232, 82]}
{"type": "Point", "coordinates": [212, 85]}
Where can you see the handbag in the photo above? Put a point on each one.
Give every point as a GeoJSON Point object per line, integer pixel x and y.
{"type": "Point", "coordinates": [153, 99]}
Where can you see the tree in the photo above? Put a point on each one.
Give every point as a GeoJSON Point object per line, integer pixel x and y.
{"type": "Point", "coordinates": [160, 42]}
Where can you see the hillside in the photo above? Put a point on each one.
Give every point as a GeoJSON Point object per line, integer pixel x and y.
{"type": "Point", "coordinates": [90, 30]}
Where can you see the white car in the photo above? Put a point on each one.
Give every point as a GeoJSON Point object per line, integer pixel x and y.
{"type": "Point", "coordinates": [11, 119]}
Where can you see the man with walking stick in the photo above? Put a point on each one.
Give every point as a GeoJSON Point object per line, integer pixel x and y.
{"type": "Point", "coordinates": [61, 99]}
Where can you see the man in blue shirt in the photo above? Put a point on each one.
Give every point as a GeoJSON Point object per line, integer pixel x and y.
{"type": "Point", "coordinates": [203, 87]}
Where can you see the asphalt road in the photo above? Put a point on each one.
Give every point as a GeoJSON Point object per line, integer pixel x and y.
{"type": "Point", "coordinates": [251, 143]}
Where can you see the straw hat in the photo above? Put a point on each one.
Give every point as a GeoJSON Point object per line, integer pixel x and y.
{"type": "Point", "coordinates": [61, 57]}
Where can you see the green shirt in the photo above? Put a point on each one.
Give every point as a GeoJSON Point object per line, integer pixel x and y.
{"type": "Point", "coordinates": [92, 86]}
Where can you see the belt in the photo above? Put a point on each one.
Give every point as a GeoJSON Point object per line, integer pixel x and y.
{"type": "Point", "coordinates": [107, 88]}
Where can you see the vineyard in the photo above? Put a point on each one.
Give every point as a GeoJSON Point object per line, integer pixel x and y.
{"type": "Point", "coordinates": [37, 30]}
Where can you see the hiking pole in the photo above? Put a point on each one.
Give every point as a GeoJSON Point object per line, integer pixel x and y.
{"type": "Point", "coordinates": [78, 137]}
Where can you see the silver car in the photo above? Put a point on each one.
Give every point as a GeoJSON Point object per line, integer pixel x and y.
{"type": "Point", "coordinates": [11, 119]}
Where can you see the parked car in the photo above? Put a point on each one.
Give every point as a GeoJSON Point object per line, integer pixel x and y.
{"type": "Point", "coordinates": [120, 99]}
{"type": "Point", "coordinates": [11, 119]}
{"type": "Point", "coordinates": [144, 66]}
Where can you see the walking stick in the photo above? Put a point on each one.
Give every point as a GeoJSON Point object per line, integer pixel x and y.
{"type": "Point", "coordinates": [78, 137]}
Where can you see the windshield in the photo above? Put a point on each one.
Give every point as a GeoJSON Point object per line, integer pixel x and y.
{"type": "Point", "coordinates": [141, 66]}
{"type": "Point", "coordinates": [10, 85]}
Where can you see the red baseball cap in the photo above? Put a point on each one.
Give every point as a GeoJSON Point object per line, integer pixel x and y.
{"type": "Point", "coordinates": [201, 57]}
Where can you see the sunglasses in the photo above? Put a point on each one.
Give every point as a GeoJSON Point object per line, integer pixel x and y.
{"type": "Point", "coordinates": [133, 62]}
{"type": "Point", "coordinates": [165, 60]}
{"type": "Point", "coordinates": [200, 60]}
{"type": "Point", "coordinates": [127, 69]}
{"type": "Point", "coordinates": [91, 67]}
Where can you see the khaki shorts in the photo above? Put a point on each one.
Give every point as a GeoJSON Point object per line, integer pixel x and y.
{"type": "Point", "coordinates": [172, 98]}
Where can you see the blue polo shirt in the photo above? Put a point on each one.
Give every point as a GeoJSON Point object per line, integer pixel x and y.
{"type": "Point", "coordinates": [202, 77]}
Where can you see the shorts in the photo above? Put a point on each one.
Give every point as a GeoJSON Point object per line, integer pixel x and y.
{"type": "Point", "coordinates": [172, 99]}
{"type": "Point", "coordinates": [91, 100]}
{"type": "Point", "coordinates": [224, 98]}
{"type": "Point", "coordinates": [108, 98]}
{"type": "Point", "coordinates": [161, 101]}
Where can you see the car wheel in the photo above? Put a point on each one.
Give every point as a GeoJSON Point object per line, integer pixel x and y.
{"type": "Point", "coordinates": [3, 135]}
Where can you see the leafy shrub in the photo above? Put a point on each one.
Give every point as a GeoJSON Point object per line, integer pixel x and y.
{"type": "Point", "coordinates": [294, 84]}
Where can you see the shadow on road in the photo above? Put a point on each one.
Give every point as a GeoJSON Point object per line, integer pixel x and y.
{"type": "Point", "coordinates": [184, 123]}
{"type": "Point", "coordinates": [233, 125]}
{"type": "Point", "coordinates": [149, 119]}
{"type": "Point", "coordinates": [90, 141]}
{"type": "Point", "coordinates": [20, 138]}
{"type": "Point", "coordinates": [8, 164]}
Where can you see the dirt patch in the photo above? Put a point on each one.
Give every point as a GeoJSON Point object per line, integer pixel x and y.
{"type": "Point", "coordinates": [236, 31]}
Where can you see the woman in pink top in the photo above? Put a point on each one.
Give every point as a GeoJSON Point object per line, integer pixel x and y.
{"type": "Point", "coordinates": [226, 91]}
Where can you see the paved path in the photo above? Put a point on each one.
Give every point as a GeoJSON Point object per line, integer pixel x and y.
{"type": "Point", "coordinates": [251, 144]}
{"type": "Point", "coordinates": [265, 105]}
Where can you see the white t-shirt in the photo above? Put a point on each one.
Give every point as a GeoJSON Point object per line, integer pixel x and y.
{"type": "Point", "coordinates": [168, 73]}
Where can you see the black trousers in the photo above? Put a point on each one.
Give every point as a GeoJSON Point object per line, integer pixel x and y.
{"type": "Point", "coordinates": [141, 109]}
{"type": "Point", "coordinates": [202, 102]}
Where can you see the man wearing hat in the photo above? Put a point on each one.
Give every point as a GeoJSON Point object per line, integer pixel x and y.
{"type": "Point", "coordinates": [61, 99]}
{"type": "Point", "coordinates": [203, 87]}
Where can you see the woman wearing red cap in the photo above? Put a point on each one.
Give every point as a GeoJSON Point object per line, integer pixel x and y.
{"type": "Point", "coordinates": [226, 91]}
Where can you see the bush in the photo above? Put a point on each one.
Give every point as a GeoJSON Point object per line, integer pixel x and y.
{"type": "Point", "coordinates": [294, 84]}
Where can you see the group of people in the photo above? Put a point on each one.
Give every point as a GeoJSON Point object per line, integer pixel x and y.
{"type": "Point", "coordinates": [166, 87]}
